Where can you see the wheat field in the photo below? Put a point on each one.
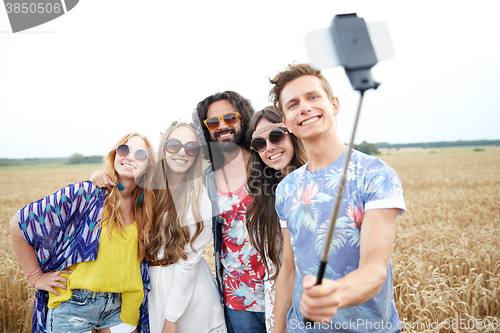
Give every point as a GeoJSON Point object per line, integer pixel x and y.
{"type": "Point", "coordinates": [446, 257]}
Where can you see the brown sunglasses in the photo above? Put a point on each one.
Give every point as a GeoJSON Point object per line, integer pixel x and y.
{"type": "Point", "coordinates": [230, 119]}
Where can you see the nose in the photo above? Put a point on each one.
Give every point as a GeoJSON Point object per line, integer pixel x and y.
{"type": "Point", "coordinates": [269, 145]}
{"type": "Point", "coordinates": [131, 156]}
{"type": "Point", "coordinates": [304, 106]}
{"type": "Point", "coordinates": [222, 124]}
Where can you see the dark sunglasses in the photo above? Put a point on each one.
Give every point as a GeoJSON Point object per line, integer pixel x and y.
{"type": "Point", "coordinates": [140, 154]}
{"type": "Point", "coordinates": [230, 119]}
{"type": "Point", "coordinates": [276, 137]}
{"type": "Point", "coordinates": [173, 146]}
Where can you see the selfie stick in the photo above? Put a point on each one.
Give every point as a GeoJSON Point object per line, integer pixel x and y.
{"type": "Point", "coordinates": [356, 54]}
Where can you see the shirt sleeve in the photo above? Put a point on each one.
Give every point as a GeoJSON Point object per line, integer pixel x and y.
{"type": "Point", "coordinates": [186, 270]}
{"type": "Point", "coordinates": [45, 222]}
{"type": "Point", "coordinates": [279, 202]}
{"type": "Point", "coordinates": [381, 188]}
{"type": "Point", "coordinates": [144, 309]}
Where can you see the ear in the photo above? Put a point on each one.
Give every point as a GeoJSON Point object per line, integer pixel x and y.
{"type": "Point", "coordinates": [286, 124]}
{"type": "Point", "coordinates": [336, 106]}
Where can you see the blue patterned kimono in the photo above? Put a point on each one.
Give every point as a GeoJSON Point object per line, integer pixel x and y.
{"type": "Point", "coordinates": [63, 229]}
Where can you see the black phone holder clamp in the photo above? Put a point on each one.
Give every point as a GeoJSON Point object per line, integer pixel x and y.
{"type": "Point", "coordinates": [354, 49]}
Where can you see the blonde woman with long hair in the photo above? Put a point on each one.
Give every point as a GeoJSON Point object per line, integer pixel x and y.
{"type": "Point", "coordinates": [82, 248]}
{"type": "Point", "coordinates": [184, 296]}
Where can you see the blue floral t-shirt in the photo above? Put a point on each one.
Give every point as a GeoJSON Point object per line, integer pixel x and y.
{"type": "Point", "coordinates": [304, 202]}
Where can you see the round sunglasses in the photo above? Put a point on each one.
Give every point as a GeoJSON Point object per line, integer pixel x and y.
{"type": "Point", "coordinates": [173, 146]}
{"type": "Point", "coordinates": [230, 119]}
{"type": "Point", "coordinates": [140, 155]}
{"type": "Point", "coordinates": [276, 137]}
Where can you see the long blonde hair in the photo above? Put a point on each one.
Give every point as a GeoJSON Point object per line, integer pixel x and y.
{"type": "Point", "coordinates": [141, 213]}
{"type": "Point", "coordinates": [169, 229]}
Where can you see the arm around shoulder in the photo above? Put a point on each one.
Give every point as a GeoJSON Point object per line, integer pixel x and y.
{"type": "Point", "coordinates": [101, 179]}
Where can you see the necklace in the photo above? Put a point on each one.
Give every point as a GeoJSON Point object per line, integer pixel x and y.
{"type": "Point", "coordinates": [227, 182]}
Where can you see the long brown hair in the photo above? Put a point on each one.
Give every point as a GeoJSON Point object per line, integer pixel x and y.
{"type": "Point", "coordinates": [262, 221]}
{"type": "Point", "coordinates": [142, 213]}
{"type": "Point", "coordinates": [169, 228]}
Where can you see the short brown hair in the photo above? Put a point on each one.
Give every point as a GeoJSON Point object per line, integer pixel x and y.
{"type": "Point", "coordinates": [292, 72]}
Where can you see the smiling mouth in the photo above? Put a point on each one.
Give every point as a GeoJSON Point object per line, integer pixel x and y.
{"type": "Point", "coordinates": [309, 121]}
{"type": "Point", "coordinates": [275, 156]}
{"type": "Point", "coordinates": [180, 162]}
{"type": "Point", "coordinates": [224, 135]}
{"type": "Point", "coordinates": [128, 166]}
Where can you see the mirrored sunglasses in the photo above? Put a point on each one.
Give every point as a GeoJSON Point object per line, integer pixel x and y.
{"type": "Point", "coordinates": [230, 119]}
{"type": "Point", "coordinates": [140, 155]}
{"type": "Point", "coordinates": [276, 137]}
{"type": "Point", "coordinates": [173, 146]}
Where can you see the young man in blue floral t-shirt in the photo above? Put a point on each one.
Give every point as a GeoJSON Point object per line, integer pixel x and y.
{"type": "Point", "coordinates": [356, 294]}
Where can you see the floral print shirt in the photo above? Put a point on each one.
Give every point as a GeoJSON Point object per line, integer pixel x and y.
{"type": "Point", "coordinates": [243, 270]}
{"type": "Point", "coordinates": [304, 202]}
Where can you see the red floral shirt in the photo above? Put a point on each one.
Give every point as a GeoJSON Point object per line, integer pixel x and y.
{"type": "Point", "coordinates": [243, 270]}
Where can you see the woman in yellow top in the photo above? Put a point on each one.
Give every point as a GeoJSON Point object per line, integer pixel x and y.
{"type": "Point", "coordinates": [82, 248]}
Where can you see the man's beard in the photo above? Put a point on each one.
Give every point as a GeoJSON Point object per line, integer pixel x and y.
{"type": "Point", "coordinates": [229, 146]}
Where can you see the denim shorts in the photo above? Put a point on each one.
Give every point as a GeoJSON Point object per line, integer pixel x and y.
{"type": "Point", "coordinates": [84, 311]}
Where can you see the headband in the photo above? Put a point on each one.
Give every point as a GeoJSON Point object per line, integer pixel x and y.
{"type": "Point", "coordinates": [267, 128]}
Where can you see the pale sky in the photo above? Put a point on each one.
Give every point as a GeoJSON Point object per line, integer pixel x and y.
{"type": "Point", "coordinates": [106, 68]}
